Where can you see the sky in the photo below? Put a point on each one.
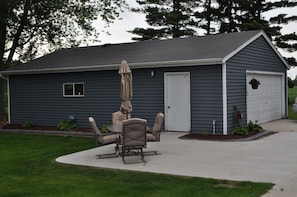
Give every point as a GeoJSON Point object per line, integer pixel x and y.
{"type": "Point", "coordinates": [118, 29]}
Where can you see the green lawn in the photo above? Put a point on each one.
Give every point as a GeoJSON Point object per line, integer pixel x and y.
{"type": "Point", "coordinates": [292, 94]}
{"type": "Point", "coordinates": [27, 168]}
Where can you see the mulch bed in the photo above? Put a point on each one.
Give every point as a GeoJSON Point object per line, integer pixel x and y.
{"type": "Point", "coordinates": [191, 136]}
{"type": "Point", "coordinates": [42, 128]}
{"type": "Point", "coordinates": [231, 137]}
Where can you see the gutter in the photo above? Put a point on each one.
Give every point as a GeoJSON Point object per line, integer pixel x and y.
{"type": "Point", "coordinates": [177, 63]}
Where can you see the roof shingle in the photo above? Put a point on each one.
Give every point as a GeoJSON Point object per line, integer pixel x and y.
{"type": "Point", "coordinates": [177, 49]}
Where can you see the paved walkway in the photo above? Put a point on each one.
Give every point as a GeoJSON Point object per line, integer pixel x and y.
{"type": "Point", "coordinates": [286, 187]}
{"type": "Point", "coordinates": [271, 159]}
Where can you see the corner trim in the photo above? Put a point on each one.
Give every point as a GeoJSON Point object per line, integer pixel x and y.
{"type": "Point", "coordinates": [224, 88]}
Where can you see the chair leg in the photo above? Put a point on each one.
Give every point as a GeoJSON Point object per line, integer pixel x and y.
{"type": "Point", "coordinates": [142, 156]}
{"type": "Point", "coordinates": [109, 155]}
{"type": "Point", "coordinates": [128, 152]}
{"type": "Point", "coordinates": [123, 155]}
{"type": "Point", "coordinates": [151, 152]}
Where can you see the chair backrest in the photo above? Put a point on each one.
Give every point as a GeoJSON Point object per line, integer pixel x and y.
{"type": "Point", "coordinates": [118, 117]}
{"type": "Point", "coordinates": [98, 134]}
{"type": "Point", "coordinates": [134, 132]}
{"type": "Point", "coordinates": [158, 124]}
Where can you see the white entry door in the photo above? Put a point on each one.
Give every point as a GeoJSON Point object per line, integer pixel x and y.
{"type": "Point", "coordinates": [266, 103]}
{"type": "Point", "coordinates": [177, 101]}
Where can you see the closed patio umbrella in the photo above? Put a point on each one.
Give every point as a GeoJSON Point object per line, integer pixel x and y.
{"type": "Point", "coordinates": [126, 88]}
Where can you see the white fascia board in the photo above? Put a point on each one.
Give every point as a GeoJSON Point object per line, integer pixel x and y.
{"type": "Point", "coordinates": [179, 63]}
{"type": "Point", "coordinates": [261, 33]}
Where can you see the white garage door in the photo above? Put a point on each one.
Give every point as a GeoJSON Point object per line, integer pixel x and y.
{"type": "Point", "coordinates": [267, 102]}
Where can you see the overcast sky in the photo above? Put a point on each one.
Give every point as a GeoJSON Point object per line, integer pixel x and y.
{"type": "Point", "coordinates": [119, 28]}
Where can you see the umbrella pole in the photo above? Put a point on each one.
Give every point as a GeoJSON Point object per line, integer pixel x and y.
{"type": "Point", "coordinates": [126, 113]}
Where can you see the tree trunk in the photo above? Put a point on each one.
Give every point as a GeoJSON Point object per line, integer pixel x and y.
{"type": "Point", "coordinates": [3, 24]}
{"type": "Point", "coordinates": [17, 36]}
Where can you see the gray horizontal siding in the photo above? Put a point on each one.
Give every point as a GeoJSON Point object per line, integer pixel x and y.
{"type": "Point", "coordinates": [206, 98]}
{"type": "Point", "coordinates": [257, 56]}
{"type": "Point", "coordinates": [39, 98]}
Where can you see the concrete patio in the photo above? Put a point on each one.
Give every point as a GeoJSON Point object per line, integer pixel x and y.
{"type": "Point", "coordinates": [270, 159]}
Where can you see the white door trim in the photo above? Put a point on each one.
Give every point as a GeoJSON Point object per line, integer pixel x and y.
{"type": "Point", "coordinates": [166, 104]}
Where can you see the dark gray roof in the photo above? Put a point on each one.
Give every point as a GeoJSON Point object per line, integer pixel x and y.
{"type": "Point", "coordinates": [205, 48]}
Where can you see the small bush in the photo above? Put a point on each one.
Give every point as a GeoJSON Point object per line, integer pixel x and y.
{"type": "Point", "coordinates": [28, 124]}
{"type": "Point", "coordinates": [66, 125]}
{"type": "Point", "coordinates": [104, 128]}
{"type": "Point", "coordinates": [254, 127]}
{"type": "Point", "coordinates": [240, 131]}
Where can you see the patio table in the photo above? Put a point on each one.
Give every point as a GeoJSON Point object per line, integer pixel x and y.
{"type": "Point", "coordinates": [117, 129]}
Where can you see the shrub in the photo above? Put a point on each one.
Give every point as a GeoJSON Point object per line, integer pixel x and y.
{"type": "Point", "coordinates": [240, 131]}
{"type": "Point", "coordinates": [104, 128]}
{"type": "Point", "coordinates": [254, 127]}
{"type": "Point", "coordinates": [66, 125]}
{"type": "Point", "coordinates": [28, 124]}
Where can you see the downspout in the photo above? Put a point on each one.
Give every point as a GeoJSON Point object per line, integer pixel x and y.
{"type": "Point", "coordinates": [2, 77]}
{"type": "Point", "coordinates": [224, 87]}
{"type": "Point", "coordinates": [8, 95]}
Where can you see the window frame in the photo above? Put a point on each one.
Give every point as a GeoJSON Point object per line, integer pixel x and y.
{"type": "Point", "coordinates": [74, 90]}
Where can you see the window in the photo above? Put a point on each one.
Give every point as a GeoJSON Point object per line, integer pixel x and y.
{"type": "Point", "coordinates": [73, 89]}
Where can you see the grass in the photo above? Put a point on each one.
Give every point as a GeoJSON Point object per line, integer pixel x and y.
{"type": "Point", "coordinates": [292, 94]}
{"type": "Point", "coordinates": [28, 168]}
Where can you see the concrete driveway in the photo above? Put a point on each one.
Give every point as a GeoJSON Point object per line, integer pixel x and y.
{"type": "Point", "coordinates": [270, 159]}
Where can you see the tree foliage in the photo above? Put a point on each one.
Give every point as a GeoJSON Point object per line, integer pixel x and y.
{"type": "Point", "coordinates": [168, 18]}
{"type": "Point", "coordinates": [30, 26]}
{"type": "Point", "coordinates": [219, 16]}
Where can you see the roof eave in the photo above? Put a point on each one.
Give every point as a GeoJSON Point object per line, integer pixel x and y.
{"type": "Point", "coordinates": [178, 63]}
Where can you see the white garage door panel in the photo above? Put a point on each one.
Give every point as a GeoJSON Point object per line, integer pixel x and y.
{"type": "Point", "coordinates": [265, 103]}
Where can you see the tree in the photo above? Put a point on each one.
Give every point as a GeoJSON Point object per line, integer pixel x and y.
{"type": "Point", "coordinates": [28, 26]}
{"type": "Point", "coordinates": [239, 15]}
{"type": "Point", "coordinates": [285, 41]}
{"type": "Point", "coordinates": [207, 17]}
{"type": "Point", "coordinates": [168, 19]}
{"type": "Point", "coordinates": [290, 83]}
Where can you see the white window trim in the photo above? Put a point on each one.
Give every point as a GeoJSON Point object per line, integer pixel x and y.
{"type": "Point", "coordinates": [73, 93]}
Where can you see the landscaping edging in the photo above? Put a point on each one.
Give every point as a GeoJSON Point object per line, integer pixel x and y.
{"type": "Point", "coordinates": [44, 132]}
{"type": "Point", "coordinates": [91, 134]}
{"type": "Point", "coordinates": [250, 138]}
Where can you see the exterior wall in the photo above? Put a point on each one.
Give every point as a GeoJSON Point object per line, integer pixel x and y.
{"type": "Point", "coordinates": [258, 56]}
{"type": "Point", "coordinates": [206, 99]}
{"type": "Point", "coordinates": [39, 98]}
